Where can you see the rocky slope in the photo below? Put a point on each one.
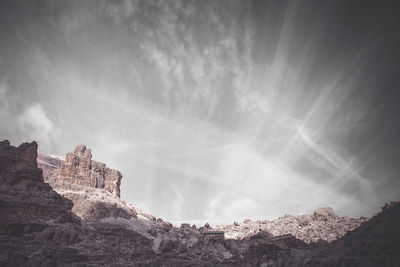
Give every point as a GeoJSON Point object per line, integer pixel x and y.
{"type": "Point", "coordinates": [38, 227]}
{"type": "Point", "coordinates": [324, 224]}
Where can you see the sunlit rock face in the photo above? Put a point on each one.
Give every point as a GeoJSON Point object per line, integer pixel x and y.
{"type": "Point", "coordinates": [93, 188]}
{"type": "Point", "coordinates": [80, 169]}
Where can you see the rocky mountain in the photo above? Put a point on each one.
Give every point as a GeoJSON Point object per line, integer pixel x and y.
{"type": "Point", "coordinates": [66, 222]}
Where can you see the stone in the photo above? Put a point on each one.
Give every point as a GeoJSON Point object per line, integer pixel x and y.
{"type": "Point", "coordinates": [168, 245]}
{"type": "Point", "coordinates": [324, 212]}
{"type": "Point", "coordinates": [185, 226]}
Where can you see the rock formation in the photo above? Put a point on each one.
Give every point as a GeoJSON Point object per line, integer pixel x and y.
{"type": "Point", "coordinates": [38, 228]}
{"type": "Point", "coordinates": [79, 169]}
{"type": "Point", "coordinates": [93, 188]}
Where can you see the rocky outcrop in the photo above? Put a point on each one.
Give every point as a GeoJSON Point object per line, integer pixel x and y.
{"type": "Point", "coordinates": [29, 208]}
{"type": "Point", "coordinates": [22, 188]}
{"type": "Point", "coordinates": [79, 169]}
{"type": "Point", "coordinates": [324, 224]}
{"type": "Point", "coordinates": [93, 188]}
{"type": "Point", "coordinates": [37, 227]}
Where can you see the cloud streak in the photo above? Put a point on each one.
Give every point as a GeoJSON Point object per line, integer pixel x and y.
{"type": "Point", "coordinates": [212, 110]}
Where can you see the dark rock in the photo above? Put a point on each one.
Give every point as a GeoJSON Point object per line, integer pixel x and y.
{"type": "Point", "coordinates": [37, 228]}
{"type": "Point", "coordinates": [168, 245]}
{"type": "Point", "coordinates": [185, 226]}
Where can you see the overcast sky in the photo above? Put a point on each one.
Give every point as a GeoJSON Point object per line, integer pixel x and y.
{"type": "Point", "coordinates": [213, 110]}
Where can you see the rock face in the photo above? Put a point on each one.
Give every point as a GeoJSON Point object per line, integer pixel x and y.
{"type": "Point", "coordinates": [80, 169]}
{"type": "Point", "coordinates": [29, 209]}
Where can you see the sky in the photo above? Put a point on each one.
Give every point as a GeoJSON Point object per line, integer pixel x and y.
{"type": "Point", "coordinates": [213, 110]}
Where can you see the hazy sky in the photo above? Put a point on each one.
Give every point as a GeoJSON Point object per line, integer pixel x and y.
{"type": "Point", "coordinates": [213, 110]}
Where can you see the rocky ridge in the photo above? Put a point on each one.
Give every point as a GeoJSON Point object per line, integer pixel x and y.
{"type": "Point", "coordinates": [323, 224]}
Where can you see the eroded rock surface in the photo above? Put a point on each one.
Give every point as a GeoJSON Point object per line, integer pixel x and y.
{"type": "Point", "coordinates": [79, 169]}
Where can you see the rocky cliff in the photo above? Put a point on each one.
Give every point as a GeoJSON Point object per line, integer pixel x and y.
{"type": "Point", "coordinates": [38, 228]}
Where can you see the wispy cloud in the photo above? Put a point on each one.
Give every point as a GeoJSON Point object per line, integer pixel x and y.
{"type": "Point", "coordinates": [216, 109]}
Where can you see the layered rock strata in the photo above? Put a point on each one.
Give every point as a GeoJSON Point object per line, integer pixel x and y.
{"type": "Point", "coordinates": [93, 188]}
{"type": "Point", "coordinates": [79, 169]}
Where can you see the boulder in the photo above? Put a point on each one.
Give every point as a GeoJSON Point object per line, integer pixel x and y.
{"type": "Point", "coordinates": [185, 226]}
{"type": "Point", "coordinates": [324, 214]}
{"type": "Point", "coordinates": [167, 245]}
